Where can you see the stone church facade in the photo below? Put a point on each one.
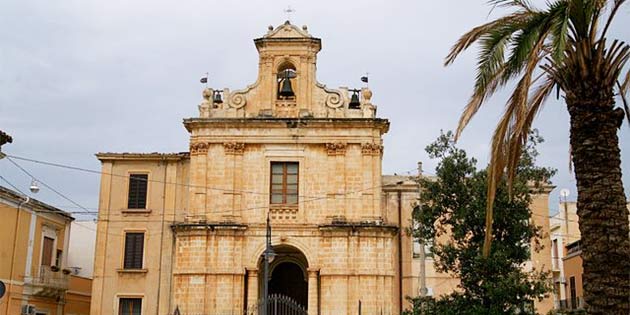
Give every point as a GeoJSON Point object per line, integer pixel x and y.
{"type": "Point", "coordinates": [185, 231]}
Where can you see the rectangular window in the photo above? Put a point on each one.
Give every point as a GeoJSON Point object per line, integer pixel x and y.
{"type": "Point", "coordinates": [130, 306]}
{"type": "Point", "coordinates": [134, 250]}
{"type": "Point", "coordinates": [137, 191]}
{"type": "Point", "coordinates": [284, 183]}
{"type": "Point", "coordinates": [47, 251]}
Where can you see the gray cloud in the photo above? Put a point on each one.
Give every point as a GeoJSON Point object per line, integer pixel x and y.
{"type": "Point", "coordinates": [79, 77]}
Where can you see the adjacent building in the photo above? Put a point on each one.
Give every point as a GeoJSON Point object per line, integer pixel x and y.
{"type": "Point", "coordinates": [33, 255]}
{"type": "Point", "coordinates": [184, 232]}
{"type": "Point", "coordinates": [566, 252]}
{"type": "Point", "coordinates": [81, 265]}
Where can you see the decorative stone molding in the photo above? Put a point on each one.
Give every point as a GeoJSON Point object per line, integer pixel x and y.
{"type": "Point", "coordinates": [283, 214]}
{"type": "Point", "coordinates": [371, 149]}
{"type": "Point", "coordinates": [238, 99]}
{"type": "Point", "coordinates": [234, 148]}
{"type": "Point", "coordinates": [337, 148]}
{"type": "Point", "coordinates": [333, 97]}
{"type": "Point", "coordinates": [199, 148]}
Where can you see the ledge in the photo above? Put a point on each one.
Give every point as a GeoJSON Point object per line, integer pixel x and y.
{"type": "Point", "coordinates": [122, 270]}
{"type": "Point", "coordinates": [358, 226]}
{"type": "Point", "coordinates": [212, 226]}
{"type": "Point", "coordinates": [145, 212]}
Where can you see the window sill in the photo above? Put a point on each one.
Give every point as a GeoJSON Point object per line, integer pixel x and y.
{"type": "Point", "coordinates": [136, 211]}
{"type": "Point", "coordinates": [280, 206]}
{"type": "Point", "coordinates": [122, 270]}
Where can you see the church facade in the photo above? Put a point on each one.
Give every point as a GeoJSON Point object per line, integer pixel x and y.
{"type": "Point", "coordinates": [185, 232]}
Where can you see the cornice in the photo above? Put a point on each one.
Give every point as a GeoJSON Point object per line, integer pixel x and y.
{"type": "Point", "coordinates": [192, 123]}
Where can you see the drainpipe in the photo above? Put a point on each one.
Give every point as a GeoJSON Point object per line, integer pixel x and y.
{"type": "Point", "coordinates": [15, 240]}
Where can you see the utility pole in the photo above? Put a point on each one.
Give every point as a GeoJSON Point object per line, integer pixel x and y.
{"type": "Point", "coordinates": [422, 277]}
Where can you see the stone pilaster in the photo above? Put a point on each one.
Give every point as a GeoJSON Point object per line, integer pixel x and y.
{"type": "Point", "coordinates": [313, 296]}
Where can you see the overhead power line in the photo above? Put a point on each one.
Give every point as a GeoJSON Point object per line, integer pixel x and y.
{"type": "Point", "coordinates": [214, 188]}
{"type": "Point", "coordinates": [46, 185]}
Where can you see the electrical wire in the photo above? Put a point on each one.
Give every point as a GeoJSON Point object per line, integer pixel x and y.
{"type": "Point", "coordinates": [46, 185]}
{"type": "Point", "coordinates": [9, 157]}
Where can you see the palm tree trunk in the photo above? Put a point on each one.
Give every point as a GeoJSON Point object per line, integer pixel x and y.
{"type": "Point", "coordinates": [601, 207]}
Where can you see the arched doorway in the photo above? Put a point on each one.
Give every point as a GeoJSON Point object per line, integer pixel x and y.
{"type": "Point", "coordinates": [287, 274]}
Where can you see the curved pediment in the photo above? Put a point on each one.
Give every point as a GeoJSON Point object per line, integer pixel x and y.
{"type": "Point", "coordinates": [287, 30]}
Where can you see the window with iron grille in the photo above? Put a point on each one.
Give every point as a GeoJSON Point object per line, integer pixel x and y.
{"type": "Point", "coordinates": [134, 250]}
{"type": "Point", "coordinates": [130, 306]}
{"type": "Point", "coordinates": [137, 191]}
{"type": "Point", "coordinates": [284, 183]}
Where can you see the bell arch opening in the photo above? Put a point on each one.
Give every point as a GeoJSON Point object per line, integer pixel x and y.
{"type": "Point", "coordinates": [287, 274]}
{"type": "Point", "coordinates": [286, 81]}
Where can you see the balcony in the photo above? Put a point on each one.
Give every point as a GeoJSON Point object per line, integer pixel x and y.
{"type": "Point", "coordinates": [571, 304]}
{"type": "Point", "coordinates": [51, 282]}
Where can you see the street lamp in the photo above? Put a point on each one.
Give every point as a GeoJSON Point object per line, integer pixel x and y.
{"type": "Point", "coordinates": [268, 256]}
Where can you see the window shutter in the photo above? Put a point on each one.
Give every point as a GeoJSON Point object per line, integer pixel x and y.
{"type": "Point", "coordinates": [137, 191]}
{"type": "Point", "coordinates": [130, 306]}
{"type": "Point", "coordinates": [47, 251]}
{"type": "Point", "coordinates": [134, 250]}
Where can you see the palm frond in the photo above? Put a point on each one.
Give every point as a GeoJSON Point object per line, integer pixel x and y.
{"type": "Point", "coordinates": [473, 35]}
{"type": "Point", "coordinates": [560, 31]}
{"type": "Point", "coordinates": [508, 139]}
{"type": "Point", "coordinates": [626, 107]}
{"type": "Point", "coordinates": [490, 68]}
{"type": "Point", "coordinates": [625, 85]}
{"type": "Point", "coordinates": [615, 8]}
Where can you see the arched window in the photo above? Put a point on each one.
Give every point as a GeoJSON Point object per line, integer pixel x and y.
{"type": "Point", "coordinates": [286, 81]}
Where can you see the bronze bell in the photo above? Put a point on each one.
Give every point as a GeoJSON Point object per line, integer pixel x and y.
{"type": "Point", "coordinates": [354, 100]}
{"type": "Point", "coordinates": [217, 98]}
{"type": "Point", "coordinates": [286, 90]}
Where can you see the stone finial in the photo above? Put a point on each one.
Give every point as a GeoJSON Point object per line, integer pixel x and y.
{"type": "Point", "coordinates": [206, 104]}
{"type": "Point", "coordinates": [305, 28]}
{"type": "Point", "coordinates": [270, 28]}
{"type": "Point", "coordinates": [366, 95]}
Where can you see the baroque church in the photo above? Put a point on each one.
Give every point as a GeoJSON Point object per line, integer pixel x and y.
{"type": "Point", "coordinates": [185, 233]}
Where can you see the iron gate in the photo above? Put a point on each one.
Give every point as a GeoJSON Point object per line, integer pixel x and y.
{"type": "Point", "coordinates": [277, 304]}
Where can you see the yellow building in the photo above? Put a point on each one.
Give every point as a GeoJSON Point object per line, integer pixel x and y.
{"type": "Point", "coordinates": [566, 251]}
{"type": "Point", "coordinates": [33, 259]}
{"type": "Point", "coordinates": [184, 232]}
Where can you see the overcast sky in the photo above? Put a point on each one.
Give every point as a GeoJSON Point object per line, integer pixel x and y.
{"type": "Point", "coordinates": [80, 77]}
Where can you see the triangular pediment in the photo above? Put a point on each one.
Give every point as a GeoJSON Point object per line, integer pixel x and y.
{"type": "Point", "coordinates": [288, 30]}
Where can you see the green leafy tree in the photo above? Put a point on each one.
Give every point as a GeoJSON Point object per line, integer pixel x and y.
{"type": "Point", "coordinates": [563, 47]}
{"type": "Point", "coordinates": [451, 216]}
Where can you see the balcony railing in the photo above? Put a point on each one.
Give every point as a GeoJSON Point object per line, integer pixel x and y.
{"type": "Point", "coordinates": [571, 304]}
{"type": "Point", "coordinates": [49, 282]}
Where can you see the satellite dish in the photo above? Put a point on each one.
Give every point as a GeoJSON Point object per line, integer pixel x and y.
{"type": "Point", "coordinates": [565, 193]}
{"type": "Point", "coordinates": [3, 289]}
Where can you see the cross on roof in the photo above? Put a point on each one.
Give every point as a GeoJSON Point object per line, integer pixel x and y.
{"type": "Point", "coordinates": [288, 11]}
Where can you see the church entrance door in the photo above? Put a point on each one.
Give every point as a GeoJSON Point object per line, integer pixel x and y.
{"type": "Point", "coordinates": [287, 279]}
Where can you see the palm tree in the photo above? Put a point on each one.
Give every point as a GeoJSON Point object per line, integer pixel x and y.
{"type": "Point", "coordinates": [563, 48]}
